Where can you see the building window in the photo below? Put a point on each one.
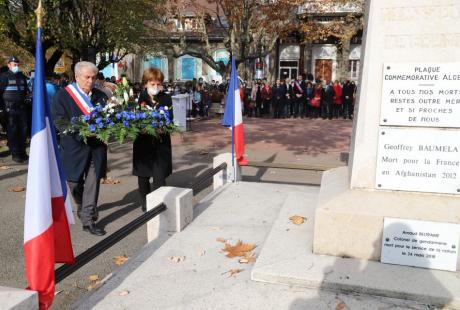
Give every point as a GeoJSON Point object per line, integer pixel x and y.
{"type": "Point", "coordinates": [188, 68]}
{"type": "Point", "coordinates": [353, 68]}
{"type": "Point", "coordinates": [289, 69]}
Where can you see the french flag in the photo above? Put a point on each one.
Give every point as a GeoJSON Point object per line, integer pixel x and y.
{"type": "Point", "coordinates": [48, 211]}
{"type": "Point", "coordinates": [233, 116]}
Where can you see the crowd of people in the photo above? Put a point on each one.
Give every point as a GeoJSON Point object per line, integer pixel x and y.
{"type": "Point", "coordinates": [299, 98]}
{"type": "Point", "coordinates": [85, 163]}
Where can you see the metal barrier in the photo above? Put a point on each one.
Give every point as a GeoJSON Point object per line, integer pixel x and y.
{"type": "Point", "coordinates": [289, 166]}
{"type": "Point", "coordinates": [66, 270]}
{"type": "Point", "coordinates": [200, 184]}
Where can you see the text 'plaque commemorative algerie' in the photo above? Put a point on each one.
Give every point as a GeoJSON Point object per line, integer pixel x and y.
{"type": "Point", "coordinates": [420, 243]}
{"type": "Point", "coordinates": [419, 159]}
{"type": "Point", "coordinates": [421, 94]}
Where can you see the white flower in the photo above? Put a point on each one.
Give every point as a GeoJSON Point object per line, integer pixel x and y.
{"type": "Point", "coordinates": [166, 108]}
{"type": "Point", "coordinates": [131, 92]}
{"type": "Point", "coordinates": [162, 112]}
{"type": "Point", "coordinates": [125, 96]}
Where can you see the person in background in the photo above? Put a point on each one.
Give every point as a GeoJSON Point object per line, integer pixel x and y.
{"type": "Point", "coordinates": [152, 156]}
{"type": "Point", "coordinates": [64, 81]}
{"type": "Point", "coordinates": [252, 103]}
{"type": "Point", "coordinates": [347, 94]}
{"type": "Point", "coordinates": [13, 93]}
{"type": "Point", "coordinates": [299, 95]}
{"type": "Point", "coordinates": [100, 84]}
{"type": "Point", "coordinates": [316, 100]}
{"type": "Point", "coordinates": [267, 96]}
{"type": "Point", "coordinates": [289, 97]}
{"type": "Point", "coordinates": [337, 108]}
{"type": "Point", "coordinates": [84, 163]}
{"type": "Point", "coordinates": [308, 97]}
{"type": "Point", "coordinates": [328, 101]}
{"type": "Point", "coordinates": [279, 92]}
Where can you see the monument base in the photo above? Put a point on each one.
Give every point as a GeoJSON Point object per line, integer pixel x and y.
{"type": "Point", "coordinates": [349, 222]}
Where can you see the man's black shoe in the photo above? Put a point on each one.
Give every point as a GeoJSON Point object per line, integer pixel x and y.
{"type": "Point", "coordinates": [94, 230]}
{"type": "Point", "coordinates": [17, 159]}
{"type": "Point", "coordinates": [25, 157]}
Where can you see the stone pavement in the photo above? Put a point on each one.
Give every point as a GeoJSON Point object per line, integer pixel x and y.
{"type": "Point", "coordinates": [290, 140]}
{"type": "Point", "coordinates": [201, 280]}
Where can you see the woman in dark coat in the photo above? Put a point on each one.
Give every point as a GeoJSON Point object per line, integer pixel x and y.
{"type": "Point", "coordinates": [152, 156]}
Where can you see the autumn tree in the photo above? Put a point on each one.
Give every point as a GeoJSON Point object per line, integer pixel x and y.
{"type": "Point", "coordinates": [342, 20]}
{"type": "Point", "coordinates": [250, 28]}
{"type": "Point", "coordinates": [82, 27]}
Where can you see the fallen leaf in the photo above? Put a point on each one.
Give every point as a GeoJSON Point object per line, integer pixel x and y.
{"type": "Point", "coordinates": [93, 277]}
{"type": "Point", "coordinates": [247, 259]}
{"type": "Point", "coordinates": [93, 285]}
{"type": "Point", "coordinates": [57, 292]}
{"type": "Point", "coordinates": [123, 293]}
{"type": "Point", "coordinates": [201, 253]}
{"type": "Point", "coordinates": [5, 167]}
{"type": "Point", "coordinates": [232, 272]}
{"type": "Point", "coordinates": [16, 189]}
{"type": "Point", "coordinates": [109, 180]}
{"type": "Point", "coordinates": [239, 249]}
{"type": "Point", "coordinates": [222, 240]}
{"type": "Point", "coordinates": [340, 306]}
{"type": "Point", "coordinates": [177, 259]}
{"type": "Point", "coordinates": [120, 260]}
{"type": "Point", "coordinates": [297, 219]}
{"type": "Point", "coordinates": [203, 152]}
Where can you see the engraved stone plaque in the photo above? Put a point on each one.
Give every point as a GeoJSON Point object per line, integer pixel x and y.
{"type": "Point", "coordinates": [418, 159]}
{"type": "Point", "coordinates": [420, 243]}
{"type": "Point", "coordinates": [421, 94]}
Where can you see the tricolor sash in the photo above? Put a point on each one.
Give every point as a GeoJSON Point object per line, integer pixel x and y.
{"type": "Point", "coordinates": [81, 100]}
{"type": "Point", "coordinates": [298, 87]}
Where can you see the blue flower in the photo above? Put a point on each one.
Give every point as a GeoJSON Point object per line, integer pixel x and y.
{"type": "Point", "coordinates": [86, 118]}
{"type": "Point", "coordinates": [111, 124]}
{"type": "Point", "coordinates": [107, 120]}
{"type": "Point", "coordinates": [143, 115]}
{"type": "Point", "coordinates": [168, 122]}
{"type": "Point", "coordinates": [154, 125]}
{"type": "Point", "coordinates": [101, 125]}
{"type": "Point", "coordinates": [98, 120]}
{"type": "Point", "coordinates": [92, 128]}
{"type": "Point", "coordinates": [126, 123]}
{"type": "Point", "coordinates": [118, 115]}
{"type": "Point", "coordinates": [98, 108]}
{"type": "Point", "coordinates": [161, 123]}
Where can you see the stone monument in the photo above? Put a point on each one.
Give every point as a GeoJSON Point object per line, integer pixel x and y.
{"type": "Point", "coordinates": [405, 152]}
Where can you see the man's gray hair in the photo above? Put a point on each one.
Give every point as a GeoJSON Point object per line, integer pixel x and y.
{"type": "Point", "coordinates": [79, 66]}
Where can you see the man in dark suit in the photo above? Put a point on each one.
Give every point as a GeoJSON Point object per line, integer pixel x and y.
{"type": "Point", "coordinates": [279, 92]}
{"type": "Point", "coordinates": [84, 163]}
{"type": "Point", "coordinates": [299, 95]}
{"type": "Point", "coordinates": [328, 101]}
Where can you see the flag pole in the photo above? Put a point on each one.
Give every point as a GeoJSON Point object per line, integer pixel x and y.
{"type": "Point", "coordinates": [233, 129]}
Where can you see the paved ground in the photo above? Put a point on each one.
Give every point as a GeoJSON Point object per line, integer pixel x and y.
{"type": "Point", "coordinates": [290, 140]}
{"type": "Point", "coordinates": [201, 280]}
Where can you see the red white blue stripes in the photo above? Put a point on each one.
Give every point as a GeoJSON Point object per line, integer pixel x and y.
{"type": "Point", "coordinates": [48, 211]}
{"type": "Point", "coordinates": [233, 116]}
{"type": "Point", "coordinates": [80, 99]}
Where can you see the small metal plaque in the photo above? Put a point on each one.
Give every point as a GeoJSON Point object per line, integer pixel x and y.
{"type": "Point", "coordinates": [421, 94]}
{"type": "Point", "coordinates": [420, 243]}
{"type": "Point", "coordinates": [418, 159]}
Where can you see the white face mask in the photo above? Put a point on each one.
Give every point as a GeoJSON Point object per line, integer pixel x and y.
{"type": "Point", "coordinates": [15, 69]}
{"type": "Point", "coordinates": [153, 91]}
